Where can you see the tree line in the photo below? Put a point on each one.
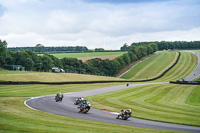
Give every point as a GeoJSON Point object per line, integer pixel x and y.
{"type": "Point", "coordinates": [39, 48]}
{"type": "Point", "coordinates": [165, 45]}
{"type": "Point", "coordinates": [32, 62]}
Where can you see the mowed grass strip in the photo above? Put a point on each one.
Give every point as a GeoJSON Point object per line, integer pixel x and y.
{"type": "Point", "coordinates": [16, 117]}
{"type": "Point", "coordinates": [185, 66]}
{"type": "Point", "coordinates": [40, 90]}
{"type": "Point", "coordinates": [6, 75]}
{"type": "Point", "coordinates": [152, 67]}
{"type": "Point", "coordinates": [90, 54]}
{"type": "Point", "coordinates": [163, 102]}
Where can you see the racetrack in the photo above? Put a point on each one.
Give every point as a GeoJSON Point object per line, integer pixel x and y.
{"type": "Point", "coordinates": [196, 72]}
{"type": "Point", "coordinates": [67, 108]}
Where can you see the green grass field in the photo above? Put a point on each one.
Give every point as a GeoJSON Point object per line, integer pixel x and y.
{"type": "Point", "coordinates": [162, 102]}
{"type": "Point", "coordinates": [91, 54]}
{"type": "Point", "coordinates": [154, 66]}
{"type": "Point", "coordinates": [186, 65]}
{"type": "Point", "coordinates": [6, 75]}
{"type": "Point", "coordinates": [16, 117]}
{"type": "Point", "coordinates": [198, 78]}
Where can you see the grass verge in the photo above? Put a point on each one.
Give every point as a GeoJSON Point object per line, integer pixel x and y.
{"type": "Point", "coordinates": [6, 75]}
{"type": "Point", "coordinates": [16, 117]}
{"type": "Point", "coordinates": [162, 102]}
{"type": "Point", "coordinates": [156, 65]}
{"type": "Point", "coordinates": [152, 67]}
{"type": "Point", "coordinates": [185, 66]}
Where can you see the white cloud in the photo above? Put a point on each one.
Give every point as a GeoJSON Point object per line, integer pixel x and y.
{"type": "Point", "coordinates": [108, 25]}
{"type": "Point", "coordinates": [183, 35]}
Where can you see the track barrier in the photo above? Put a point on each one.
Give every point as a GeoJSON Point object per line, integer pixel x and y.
{"type": "Point", "coordinates": [186, 82]}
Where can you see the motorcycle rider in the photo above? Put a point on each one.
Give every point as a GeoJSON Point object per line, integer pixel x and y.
{"type": "Point", "coordinates": [60, 94]}
{"type": "Point", "coordinates": [123, 111]}
{"type": "Point", "coordinates": [127, 84]}
{"type": "Point", "coordinates": [83, 105]}
{"type": "Point", "coordinates": [78, 101]}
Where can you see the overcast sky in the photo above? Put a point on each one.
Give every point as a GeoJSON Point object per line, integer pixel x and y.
{"type": "Point", "coordinates": [97, 23]}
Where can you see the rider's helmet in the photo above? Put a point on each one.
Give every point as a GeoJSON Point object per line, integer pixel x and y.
{"type": "Point", "coordinates": [84, 101]}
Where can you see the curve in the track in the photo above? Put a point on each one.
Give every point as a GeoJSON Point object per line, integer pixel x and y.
{"type": "Point", "coordinates": [196, 72]}
{"type": "Point", "coordinates": [67, 108]}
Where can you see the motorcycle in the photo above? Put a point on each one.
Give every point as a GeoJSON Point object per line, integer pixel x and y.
{"type": "Point", "coordinates": [58, 97]}
{"type": "Point", "coordinates": [124, 115]}
{"type": "Point", "coordinates": [78, 101]}
{"type": "Point", "coordinates": [84, 106]}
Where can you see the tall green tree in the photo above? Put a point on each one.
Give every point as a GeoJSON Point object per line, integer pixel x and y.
{"type": "Point", "coordinates": [73, 65]}
{"type": "Point", "coordinates": [132, 56]}
{"type": "Point", "coordinates": [95, 66]}
{"type": "Point", "coordinates": [154, 46]}
{"type": "Point", "coordinates": [39, 48]}
{"type": "Point", "coordinates": [10, 60]}
{"type": "Point", "coordinates": [149, 49]}
{"type": "Point", "coordinates": [143, 50]}
{"type": "Point", "coordinates": [28, 64]}
{"type": "Point", "coordinates": [125, 47]}
{"type": "Point", "coordinates": [121, 61]}
{"type": "Point", "coordinates": [36, 60]}
{"type": "Point", "coordinates": [46, 63]}
{"type": "Point", "coordinates": [56, 61]}
{"type": "Point", "coordinates": [126, 58]}
{"type": "Point", "coordinates": [137, 52]}
{"type": "Point", "coordinates": [3, 52]}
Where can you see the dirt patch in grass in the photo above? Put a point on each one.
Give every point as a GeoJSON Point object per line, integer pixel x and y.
{"type": "Point", "coordinates": [110, 57]}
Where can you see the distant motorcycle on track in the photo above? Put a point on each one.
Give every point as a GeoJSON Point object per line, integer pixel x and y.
{"type": "Point", "coordinates": [78, 101]}
{"type": "Point", "coordinates": [124, 114]}
{"type": "Point", "coordinates": [84, 106]}
{"type": "Point", "coordinates": [59, 97]}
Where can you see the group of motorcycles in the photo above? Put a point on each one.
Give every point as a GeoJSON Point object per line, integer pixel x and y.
{"type": "Point", "coordinates": [84, 107]}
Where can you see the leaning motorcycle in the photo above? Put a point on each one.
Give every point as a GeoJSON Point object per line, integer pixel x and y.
{"type": "Point", "coordinates": [58, 97]}
{"type": "Point", "coordinates": [84, 108]}
{"type": "Point", "coordinates": [125, 115]}
{"type": "Point", "coordinates": [78, 101]}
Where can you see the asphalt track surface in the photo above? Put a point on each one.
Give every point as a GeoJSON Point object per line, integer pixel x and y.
{"type": "Point", "coordinates": [196, 72]}
{"type": "Point", "coordinates": [67, 108]}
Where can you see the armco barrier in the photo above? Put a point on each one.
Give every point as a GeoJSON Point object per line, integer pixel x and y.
{"type": "Point", "coordinates": [61, 83]}
{"type": "Point", "coordinates": [17, 83]}
{"type": "Point", "coordinates": [85, 82]}
{"type": "Point", "coordinates": [186, 82]}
